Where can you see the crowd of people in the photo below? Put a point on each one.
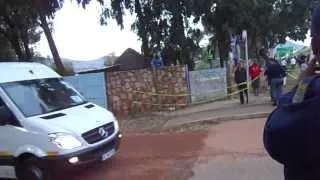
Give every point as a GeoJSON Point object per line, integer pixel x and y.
{"type": "Point", "coordinates": [295, 62]}
{"type": "Point", "coordinates": [275, 78]}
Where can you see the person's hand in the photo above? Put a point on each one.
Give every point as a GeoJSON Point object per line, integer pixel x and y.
{"type": "Point", "coordinates": [312, 65]}
{"type": "Point", "coordinates": [310, 71]}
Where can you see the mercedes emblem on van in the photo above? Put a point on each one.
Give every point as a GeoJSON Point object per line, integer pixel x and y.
{"type": "Point", "coordinates": [103, 132]}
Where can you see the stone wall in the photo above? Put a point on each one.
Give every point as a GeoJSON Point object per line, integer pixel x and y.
{"type": "Point", "coordinates": [140, 91]}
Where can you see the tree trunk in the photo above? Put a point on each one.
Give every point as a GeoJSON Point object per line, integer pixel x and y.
{"type": "Point", "coordinates": [257, 47]}
{"type": "Point", "coordinates": [15, 43]}
{"type": "Point", "coordinates": [27, 49]}
{"type": "Point", "coordinates": [142, 29]}
{"type": "Point", "coordinates": [145, 46]}
{"type": "Point", "coordinates": [252, 45]}
{"type": "Point", "coordinates": [179, 39]}
{"type": "Point", "coordinates": [216, 52]}
{"type": "Point", "coordinates": [222, 53]}
{"type": "Point", "coordinates": [224, 47]}
{"type": "Point", "coordinates": [18, 50]}
{"type": "Point", "coordinates": [52, 45]}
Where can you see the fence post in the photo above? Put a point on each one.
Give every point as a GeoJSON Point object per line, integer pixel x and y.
{"type": "Point", "coordinates": [155, 86]}
{"type": "Point", "coordinates": [189, 98]}
{"type": "Point", "coordinates": [106, 101]}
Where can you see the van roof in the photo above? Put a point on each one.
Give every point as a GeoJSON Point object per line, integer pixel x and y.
{"type": "Point", "coordinates": [17, 71]}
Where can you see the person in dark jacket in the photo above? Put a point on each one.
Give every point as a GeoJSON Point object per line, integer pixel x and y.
{"type": "Point", "coordinates": [241, 80]}
{"type": "Point", "coordinates": [275, 74]}
{"type": "Point", "coordinates": [306, 166]}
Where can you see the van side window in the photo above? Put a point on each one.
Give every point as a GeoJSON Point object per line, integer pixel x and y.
{"type": "Point", "coordinates": [1, 103]}
{"type": "Point", "coordinates": [6, 116]}
{"type": "Point", "coordinates": [2, 107]}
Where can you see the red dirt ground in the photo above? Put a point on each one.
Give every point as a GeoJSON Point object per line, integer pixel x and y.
{"type": "Point", "coordinates": [150, 157]}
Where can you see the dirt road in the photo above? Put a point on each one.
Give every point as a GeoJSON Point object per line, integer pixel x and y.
{"type": "Point", "coordinates": [234, 151]}
{"type": "Point", "coordinates": [229, 151]}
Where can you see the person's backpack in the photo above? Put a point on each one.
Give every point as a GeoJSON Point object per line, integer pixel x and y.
{"type": "Point", "coordinates": [292, 131]}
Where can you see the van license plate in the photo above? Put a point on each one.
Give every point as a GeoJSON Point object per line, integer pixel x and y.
{"type": "Point", "coordinates": [108, 155]}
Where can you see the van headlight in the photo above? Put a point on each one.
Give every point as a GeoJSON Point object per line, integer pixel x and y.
{"type": "Point", "coordinates": [116, 124]}
{"type": "Point", "coordinates": [64, 141]}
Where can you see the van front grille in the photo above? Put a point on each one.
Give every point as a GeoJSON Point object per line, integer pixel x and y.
{"type": "Point", "coordinates": [99, 134]}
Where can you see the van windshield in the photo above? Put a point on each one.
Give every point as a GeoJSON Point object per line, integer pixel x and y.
{"type": "Point", "coordinates": [36, 97]}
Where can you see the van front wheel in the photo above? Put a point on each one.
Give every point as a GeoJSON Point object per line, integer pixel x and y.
{"type": "Point", "coordinates": [32, 171]}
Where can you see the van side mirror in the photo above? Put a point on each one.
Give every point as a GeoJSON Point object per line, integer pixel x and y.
{"type": "Point", "coordinates": [5, 116]}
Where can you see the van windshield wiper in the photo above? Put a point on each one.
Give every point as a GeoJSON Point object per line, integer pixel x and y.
{"type": "Point", "coordinates": [66, 107]}
{"type": "Point", "coordinates": [76, 104]}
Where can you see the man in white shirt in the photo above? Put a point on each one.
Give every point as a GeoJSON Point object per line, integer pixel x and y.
{"type": "Point", "coordinates": [293, 62]}
{"type": "Point", "coordinates": [284, 62]}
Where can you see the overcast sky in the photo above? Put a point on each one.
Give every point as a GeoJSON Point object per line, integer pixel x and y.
{"type": "Point", "coordinates": [79, 35]}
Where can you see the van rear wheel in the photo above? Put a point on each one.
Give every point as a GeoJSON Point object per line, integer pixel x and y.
{"type": "Point", "coordinates": [33, 171]}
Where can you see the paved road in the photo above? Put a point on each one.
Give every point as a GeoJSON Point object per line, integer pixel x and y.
{"type": "Point", "coordinates": [229, 151]}
{"type": "Point", "coordinates": [235, 151]}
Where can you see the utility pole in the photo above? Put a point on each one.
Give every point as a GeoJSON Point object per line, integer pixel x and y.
{"type": "Point", "coordinates": [244, 38]}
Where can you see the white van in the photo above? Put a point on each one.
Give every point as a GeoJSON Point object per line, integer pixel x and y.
{"type": "Point", "coordinates": [46, 125]}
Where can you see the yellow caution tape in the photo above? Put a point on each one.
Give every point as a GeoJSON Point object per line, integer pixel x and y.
{"type": "Point", "coordinates": [5, 153]}
{"type": "Point", "coordinates": [292, 76]}
{"type": "Point", "coordinates": [197, 103]}
{"type": "Point", "coordinates": [140, 103]}
{"type": "Point", "coordinates": [201, 102]}
{"type": "Point", "coordinates": [179, 95]}
{"type": "Point", "coordinates": [184, 95]}
{"type": "Point", "coordinates": [52, 153]}
{"type": "Point", "coordinates": [157, 94]}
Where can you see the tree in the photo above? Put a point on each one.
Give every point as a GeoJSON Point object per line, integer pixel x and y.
{"type": "Point", "coordinates": [18, 24]}
{"type": "Point", "coordinates": [162, 25]}
{"type": "Point", "coordinates": [141, 27]}
{"type": "Point", "coordinates": [268, 22]}
{"type": "Point", "coordinates": [46, 10]}
{"type": "Point", "coordinates": [272, 21]}
{"type": "Point", "coordinates": [6, 52]}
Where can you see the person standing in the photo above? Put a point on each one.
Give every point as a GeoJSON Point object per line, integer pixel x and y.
{"type": "Point", "coordinates": [157, 62]}
{"type": "Point", "coordinates": [241, 80]}
{"type": "Point", "coordinates": [255, 73]}
{"type": "Point", "coordinates": [303, 67]}
{"type": "Point", "coordinates": [293, 62]}
{"type": "Point", "coordinates": [291, 131]}
{"type": "Point", "coordinates": [275, 74]}
{"type": "Point", "coordinates": [284, 63]}
{"type": "Point", "coordinates": [211, 57]}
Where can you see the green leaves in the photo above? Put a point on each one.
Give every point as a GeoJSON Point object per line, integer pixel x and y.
{"type": "Point", "coordinates": [164, 25]}
{"type": "Point", "coordinates": [160, 24]}
{"type": "Point", "coordinates": [19, 26]}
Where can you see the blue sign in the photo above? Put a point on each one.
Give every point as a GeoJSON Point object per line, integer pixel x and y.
{"type": "Point", "coordinates": [235, 41]}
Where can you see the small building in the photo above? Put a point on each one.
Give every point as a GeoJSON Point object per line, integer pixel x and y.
{"type": "Point", "coordinates": [131, 60]}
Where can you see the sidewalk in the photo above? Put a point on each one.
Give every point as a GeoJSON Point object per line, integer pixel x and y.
{"type": "Point", "coordinates": [258, 107]}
